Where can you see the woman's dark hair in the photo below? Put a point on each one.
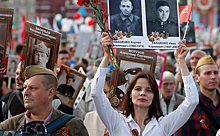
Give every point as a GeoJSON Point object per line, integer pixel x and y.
{"type": "Point", "coordinates": [154, 109]}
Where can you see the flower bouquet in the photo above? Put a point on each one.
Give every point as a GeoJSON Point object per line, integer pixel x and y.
{"type": "Point", "coordinates": [99, 19]}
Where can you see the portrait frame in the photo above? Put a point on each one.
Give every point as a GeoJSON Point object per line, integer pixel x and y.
{"type": "Point", "coordinates": [114, 10]}
{"type": "Point", "coordinates": [159, 69]}
{"type": "Point", "coordinates": [31, 41]}
{"type": "Point", "coordinates": [46, 40]}
{"type": "Point", "coordinates": [94, 51]}
{"type": "Point", "coordinates": [11, 70]}
{"type": "Point", "coordinates": [70, 92]}
{"type": "Point", "coordinates": [190, 33]}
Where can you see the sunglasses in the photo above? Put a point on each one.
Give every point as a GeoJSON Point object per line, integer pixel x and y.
{"type": "Point", "coordinates": [133, 71]}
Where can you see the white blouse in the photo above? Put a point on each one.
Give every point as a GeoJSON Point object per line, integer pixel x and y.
{"type": "Point", "coordinates": [117, 124]}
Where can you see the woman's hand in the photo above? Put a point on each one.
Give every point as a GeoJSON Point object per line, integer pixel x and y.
{"type": "Point", "coordinates": [106, 41]}
{"type": "Point", "coordinates": [180, 55]}
{"type": "Point", "coordinates": [182, 51]}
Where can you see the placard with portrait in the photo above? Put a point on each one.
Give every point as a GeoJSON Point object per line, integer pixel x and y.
{"type": "Point", "coordinates": [144, 24]}
{"type": "Point", "coordinates": [41, 46]}
{"type": "Point", "coordinates": [12, 65]}
{"type": "Point", "coordinates": [70, 82]}
{"type": "Point", "coordinates": [130, 61]}
{"type": "Point", "coordinates": [159, 69]}
{"type": "Point", "coordinates": [6, 18]}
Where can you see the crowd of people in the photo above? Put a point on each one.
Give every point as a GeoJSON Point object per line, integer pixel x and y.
{"type": "Point", "coordinates": [179, 107]}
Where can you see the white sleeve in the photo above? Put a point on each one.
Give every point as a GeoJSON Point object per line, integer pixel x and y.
{"type": "Point", "coordinates": [173, 121]}
{"type": "Point", "coordinates": [110, 118]}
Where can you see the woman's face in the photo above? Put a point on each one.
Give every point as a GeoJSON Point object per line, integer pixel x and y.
{"type": "Point", "coordinates": [142, 95]}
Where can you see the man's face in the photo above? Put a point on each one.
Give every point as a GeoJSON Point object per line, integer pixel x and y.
{"type": "Point", "coordinates": [40, 59]}
{"type": "Point", "coordinates": [130, 73]}
{"type": "Point", "coordinates": [195, 56]}
{"type": "Point", "coordinates": [126, 8]}
{"type": "Point", "coordinates": [208, 77]}
{"type": "Point", "coordinates": [163, 13]}
{"type": "Point", "coordinates": [167, 88]}
{"type": "Point", "coordinates": [13, 64]}
{"type": "Point", "coordinates": [34, 94]}
{"type": "Point", "coordinates": [18, 80]}
{"type": "Point", "coordinates": [63, 59]}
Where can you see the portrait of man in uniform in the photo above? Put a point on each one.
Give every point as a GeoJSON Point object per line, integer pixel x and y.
{"type": "Point", "coordinates": [127, 71]}
{"type": "Point", "coordinates": [190, 32]}
{"type": "Point", "coordinates": [164, 18]}
{"type": "Point", "coordinates": [125, 19]}
{"type": "Point", "coordinates": [39, 53]}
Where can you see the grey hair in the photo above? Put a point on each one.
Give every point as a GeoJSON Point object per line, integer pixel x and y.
{"type": "Point", "coordinates": [49, 81]}
{"type": "Point", "coordinates": [168, 75]}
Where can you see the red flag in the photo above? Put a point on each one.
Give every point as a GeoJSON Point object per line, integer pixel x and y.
{"type": "Point", "coordinates": [184, 12]}
{"type": "Point", "coordinates": [23, 27]}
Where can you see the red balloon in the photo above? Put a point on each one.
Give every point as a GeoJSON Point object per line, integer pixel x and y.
{"type": "Point", "coordinates": [76, 15]}
{"type": "Point", "coordinates": [90, 23]}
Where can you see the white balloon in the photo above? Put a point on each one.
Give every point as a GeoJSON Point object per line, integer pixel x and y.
{"type": "Point", "coordinates": [87, 19]}
{"type": "Point", "coordinates": [66, 28]}
{"type": "Point", "coordinates": [80, 20]}
{"type": "Point", "coordinates": [85, 28]}
{"type": "Point", "coordinates": [70, 22]}
{"type": "Point", "coordinates": [74, 2]}
{"type": "Point", "coordinates": [58, 17]}
{"type": "Point", "coordinates": [64, 21]}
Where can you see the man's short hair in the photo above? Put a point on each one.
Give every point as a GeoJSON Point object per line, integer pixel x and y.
{"type": "Point", "coordinates": [126, 0]}
{"type": "Point", "coordinates": [168, 75]}
{"type": "Point", "coordinates": [19, 48]}
{"type": "Point", "coordinates": [49, 81]}
{"type": "Point", "coordinates": [63, 52]}
{"type": "Point", "coordinates": [99, 60]}
{"type": "Point", "coordinates": [161, 3]}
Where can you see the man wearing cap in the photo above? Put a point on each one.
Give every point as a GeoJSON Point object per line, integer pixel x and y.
{"type": "Point", "coordinates": [39, 89]}
{"type": "Point", "coordinates": [162, 24]}
{"type": "Point", "coordinates": [199, 124]}
{"type": "Point", "coordinates": [41, 54]}
{"type": "Point", "coordinates": [12, 103]}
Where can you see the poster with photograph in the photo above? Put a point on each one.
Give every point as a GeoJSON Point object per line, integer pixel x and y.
{"type": "Point", "coordinates": [159, 69]}
{"type": "Point", "coordinates": [70, 82]}
{"type": "Point", "coordinates": [41, 46]}
{"type": "Point", "coordinates": [190, 33]}
{"type": "Point", "coordinates": [94, 51]}
{"type": "Point", "coordinates": [131, 61]}
{"type": "Point", "coordinates": [12, 65]}
{"type": "Point", "coordinates": [141, 24]}
{"type": "Point", "coordinates": [6, 18]}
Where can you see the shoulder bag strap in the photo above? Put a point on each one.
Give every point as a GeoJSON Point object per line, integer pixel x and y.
{"type": "Point", "coordinates": [9, 103]}
{"type": "Point", "coordinates": [209, 115]}
{"type": "Point", "coordinates": [59, 122]}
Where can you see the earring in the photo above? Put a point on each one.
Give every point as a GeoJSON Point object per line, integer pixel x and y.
{"type": "Point", "coordinates": [130, 101]}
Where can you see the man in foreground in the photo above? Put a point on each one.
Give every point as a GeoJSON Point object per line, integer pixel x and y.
{"type": "Point", "coordinates": [39, 90]}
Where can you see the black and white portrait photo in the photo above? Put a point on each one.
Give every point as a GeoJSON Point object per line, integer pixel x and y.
{"type": "Point", "coordinates": [40, 53]}
{"type": "Point", "coordinates": [94, 51]}
{"type": "Point", "coordinates": [3, 35]}
{"type": "Point", "coordinates": [190, 32]}
{"type": "Point", "coordinates": [162, 17]}
{"type": "Point", "coordinates": [70, 82]}
{"type": "Point", "coordinates": [127, 70]}
{"type": "Point", "coordinates": [12, 65]}
{"type": "Point", "coordinates": [126, 16]}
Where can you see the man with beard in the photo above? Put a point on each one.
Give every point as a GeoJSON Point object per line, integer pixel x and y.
{"type": "Point", "coordinates": [200, 124]}
{"type": "Point", "coordinates": [12, 103]}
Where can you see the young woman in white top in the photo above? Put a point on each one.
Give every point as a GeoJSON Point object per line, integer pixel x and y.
{"type": "Point", "coordinates": [141, 107]}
